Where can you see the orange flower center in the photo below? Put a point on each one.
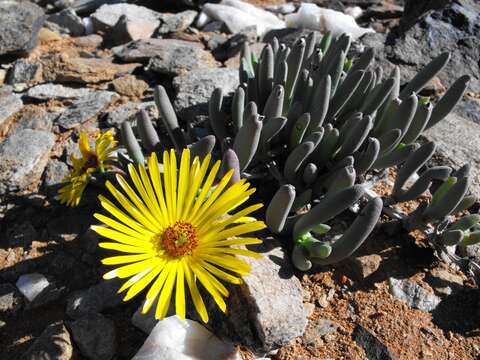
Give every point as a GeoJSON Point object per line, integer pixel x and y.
{"type": "Point", "coordinates": [179, 239]}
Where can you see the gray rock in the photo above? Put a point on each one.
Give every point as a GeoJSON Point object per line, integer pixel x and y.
{"type": "Point", "coordinates": [19, 26]}
{"type": "Point", "coordinates": [53, 343]}
{"type": "Point", "coordinates": [9, 104]}
{"type": "Point", "coordinates": [364, 266]}
{"type": "Point", "coordinates": [179, 60]}
{"type": "Point", "coordinates": [84, 109]}
{"type": "Point", "coordinates": [374, 348]}
{"type": "Point", "coordinates": [457, 140]}
{"type": "Point", "coordinates": [471, 251]}
{"type": "Point", "coordinates": [126, 30]}
{"type": "Point", "coordinates": [452, 28]}
{"type": "Point", "coordinates": [106, 16]}
{"type": "Point", "coordinates": [95, 336]}
{"type": "Point", "coordinates": [444, 282]}
{"type": "Point", "coordinates": [413, 294]}
{"type": "Point", "coordinates": [195, 88]}
{"type": "Point", "coordinates": [145, 322]}
{"type": "Point", "coordinates": [266, 311]}
{"type": "Point", "coordinates": [68, 21]}
{"type": "Point", "coordinates": [128, 112]}
{"type": "Point", "coordinates": [21, 234]}
{"type": "Point", "coordinates": [317, 329]}
{"type": "Point", "coordinates": [469, 108]}
{"type": "Point", "coordinates": [172, 23]}
{"type": "Point", "coordinates": [47, 296]}
{"type": "Point", "coordinates": [23, 156]}
{"type": "Point", "coordinates": [10, 299]}
{"type": "Point", "coordinates": [94, 299]}
{"type": "Point", "coordinates": [54, 173]}
{"type": "Point", "coordinates": [34, 118]}
{"type": "Point", "coordinates": [143, 50]}
{"type": "Point", "coordinates": [56, 91]}
{"type": "Point", "coordinates": [30, 285]}
{"type": "Point", "coordinates": [22, 72]}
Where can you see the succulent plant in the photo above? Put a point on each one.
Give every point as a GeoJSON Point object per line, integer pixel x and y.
{"type": "Point", "coordinates": [324, 128]}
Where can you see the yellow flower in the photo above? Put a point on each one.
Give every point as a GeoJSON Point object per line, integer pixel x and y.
{"type": "Point", "coordinates": [174, 229]}
{"type": "Point", "coordinates": [90, 161]}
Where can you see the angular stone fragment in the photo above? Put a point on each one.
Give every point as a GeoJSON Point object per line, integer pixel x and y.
{"type": "Point", "coordinates": [178, 60]}
{"type": "Point", "coordinates": [95, 336]}
{"type": "Point", "coordinates": [56, 91]}
{"type": "Point", "coordinates": [266, 311]}
{"type": "Point", "coordinates": [130, 86]}
{"type": "Point", "coordinates": [53, 343]}
{"type": "Point", "coordinates": [195, 88]}
{"type": "Point", "coordinates": [62, 68]}
{"type": "Point", "coordinates": [10, 103]}
{"type": "Point", "coordinates": [68, 21]}
{"type": "Point", "coordinates": [413, 294]}
{"type": "Point", "coordinates": [23, 156]}
{"type": "Point", "coordinates": [84, 109]}
{"type": "Point", "coordinates": [143, 50]}
{"type": "Point", "coordinates": [174, 339]}
{"type": "Point", "coordinates": [94, 299]}
{"type": "Point", "coordinates": [20, 22]}
{"type": "Point", "coordinates": [106, 16]}
{"type": "Point", "coordinates": [172, 23]}
{"type": "Point", "coordinates": [23, 71]}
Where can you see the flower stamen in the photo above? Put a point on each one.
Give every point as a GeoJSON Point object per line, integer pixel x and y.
{"type": "Point", "coordinates": [179, 239]}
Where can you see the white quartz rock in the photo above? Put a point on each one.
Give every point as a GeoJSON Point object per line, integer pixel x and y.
{"type": "Point", "coordinates": [30, 285]}
{"type": "Point", "coordinates": [312, 17]}
{"type": "Point", "coordinates": [237, 15]}
{"type": "Point", "coordinates": [175, 339]}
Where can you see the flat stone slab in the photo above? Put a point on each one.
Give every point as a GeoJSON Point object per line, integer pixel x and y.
{"type": "Point", "coordinates": [413, 294]}
{"type": "Point", "coordinates": [266, 311]}
{"type": "Point", "coordinates": [195, 88]}
{"type": "Point", "coordinates": [106, 16]}
{"type": "Point", "coordinates": [56, 91]}
{"type": "Point", "coordinates": [62, 68]}
{"type": "Point", "coordinates": [19, 26]}
{"type": "Point", "coordinates": [143, 50]}
{"type": "Point", "coordinates": [85, 109]}
{"type": "Point", "coordinates": [178, 60]}
{"type": "Point", "coordinates": [23, 156]}
{"type": "Point", "coordinates": [458, 142]}
{"type": "Point", "coordinates": [9, 104]}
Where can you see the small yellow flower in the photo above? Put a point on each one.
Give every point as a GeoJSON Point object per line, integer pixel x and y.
{"type": "Point", "coordinates": [174, 230]}
{"type": "Point", "coordinates": [90, 161]}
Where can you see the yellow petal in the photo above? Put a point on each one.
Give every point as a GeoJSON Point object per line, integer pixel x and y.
{"type": "Point", "coordinates": [228, 262]}
{"type": "Point", "coordinates": [210, 285]}
{"type": "Point", "coordinates": [196, 178]}
{"type": "Point", "coordinates": [131, 269]}
{"type": "Point", "coordinates": [125, 248]}
{"type": "Point", "coordinates": [157, 183]}
{"type": "Point", "coordinates": [120, 215]}
{"type": "Point", "coordinates": [234, 231]}
{"type": "Point", "coordinates": [180, 307]}
{"type": "Point", "coordinates": [166, 293]}
{"type": "Point", "coordinates": [125, 259]}
{"type": "Point", "coordinates": [196, 297]}
{"type": "Point", "coordinates": [183, 181]}
{"type": "Point", "coordinates": [121, 227]}
{"type": "Point", "coordinates": [121, 237]}
{"type": "Point", "coordinates": [205, 188]}
{"type": "Point", "coordinates": [139, 203]}
{"type": "Point", "coordinates": [156, 287]}
{"type": "Point", "coordinates": [221, 274]}
{"type": "Point", "coordinates": [218, 190]}
{"type": "Point", "coordinates": [144, 281]}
